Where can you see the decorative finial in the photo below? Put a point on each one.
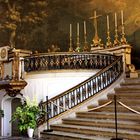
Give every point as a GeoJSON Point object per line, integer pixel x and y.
{"type": "Point", "coordinates": [108, 43]}
{"type": "Point", "coordinates": [70, 48]}
{"type": "Point", "coordinates": [85, 48]}
{"type": "Point", "coordinates": [123, 39]}
{"type": "Point", "coordinates": [96, 40]}
{"type": "Point", "coordinates": [116, 41]}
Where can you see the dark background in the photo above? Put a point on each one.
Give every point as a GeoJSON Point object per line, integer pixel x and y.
{"type": "Point", "coordinates": [55, 27]}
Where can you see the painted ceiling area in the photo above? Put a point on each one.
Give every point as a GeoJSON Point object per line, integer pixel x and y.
{"type": "Point", "coordinates": [59, 14]}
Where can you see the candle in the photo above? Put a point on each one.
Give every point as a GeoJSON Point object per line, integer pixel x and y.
{"type": "Point", "coordinates": [85, 30]}
{"type": "Point", "coordinates": [107, 22]}
{"type": "Point", "coordinates": [94, 14]}
{"type": "Point", "coordinates": [77, 29]}
{"type": "Point", "coordinates": [70, 30]}
{"type": "Point", "coordinates": [115, 20]}
{"type": "Point", "coordinates": [122, 16]}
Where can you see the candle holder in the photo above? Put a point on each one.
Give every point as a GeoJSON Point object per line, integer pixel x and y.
{"type": "Point", "coordinates": [116, 41]}
{"type": "Point", "coordinates": [70, 48]}
{"type": "Point", "coordinates": [78, 49]}
{"type": "Point", "coordinates": [123, 39]}
{"type": "Point", "coordinates": [108, 43]}
{"type": "Point", "coordinates": [86, 47]}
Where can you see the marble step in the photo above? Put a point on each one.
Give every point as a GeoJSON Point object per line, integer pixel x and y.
{"type": "Point", "coordinates": [59, 135]}
{"type": "Point", "coordinates": [127, 89]}
{"type": "Point", "coordinates": [134, 96]}
{"type": "Point", "coordinates": [132, 80]}
{"type": "Point", "coordinates": [108, 115]}
{"type": "Point", "coordinates": [110, 108]}
{"type": "Point", "coordinates": [126, 101]}
{"type": "Point", "coordinates": [104, 132]}
{"type": "Point", "coordinates": [128, 125]}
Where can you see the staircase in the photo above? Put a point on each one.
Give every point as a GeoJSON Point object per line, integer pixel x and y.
{"type": "Point", "coordinates": [98, 124]}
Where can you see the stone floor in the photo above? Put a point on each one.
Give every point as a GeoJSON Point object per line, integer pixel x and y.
{"type": "Point", "coordinates": [18, 138]}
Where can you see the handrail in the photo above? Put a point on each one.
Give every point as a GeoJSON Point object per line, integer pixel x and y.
{"type": "Point", "coordinates": [84, 82]}
{"type": "Point", "coordinates": [129, 108]}
{"type": "Point", "coordinates": [93, 109]}
{"type": "Point", "coordinates": [84, 90]}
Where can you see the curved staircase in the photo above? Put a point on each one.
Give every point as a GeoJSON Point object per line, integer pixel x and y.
{"type": "Point", "coordinates": [99, 124]}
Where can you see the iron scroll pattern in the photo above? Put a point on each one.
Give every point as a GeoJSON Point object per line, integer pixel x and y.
{"type": "Point", "coordinates": [67, 61]}
{"type": "Point", "coordinates": [84, 90]}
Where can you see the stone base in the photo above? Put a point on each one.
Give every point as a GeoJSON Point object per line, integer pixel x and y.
{"type": "Point", "coordinates": [134, 75]}
{"type": "Point", "coordinates": [96, 48]}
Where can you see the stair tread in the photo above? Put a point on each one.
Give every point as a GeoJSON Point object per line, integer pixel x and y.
{"type": "Point", "coordinates": [101, 120]}
{"type": "Point", "coordinates": [75, 135]}
{"type": "Point", "coordinates": [121, 131]}
{"type": "Point", "coordinates": [110, 113]}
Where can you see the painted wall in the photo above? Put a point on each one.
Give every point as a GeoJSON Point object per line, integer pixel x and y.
{"type": "Point", "coordinates": [52, 83]}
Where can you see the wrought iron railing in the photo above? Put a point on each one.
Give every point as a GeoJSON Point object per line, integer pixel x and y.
{"type": "Point", "coordinates": [67, 61]}
{"type": "Point", "coordinates": [84, 90]}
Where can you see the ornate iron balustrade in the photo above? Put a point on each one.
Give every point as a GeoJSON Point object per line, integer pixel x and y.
{"type": "Point", "coordinates": [67, 61]}
{"type": "Point", "coordinates": [84, 90]}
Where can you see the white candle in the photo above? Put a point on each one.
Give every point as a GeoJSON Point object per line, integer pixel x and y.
{"type": "Point", "coordinates": [94, 14]}
{"type": "Point", "coordinates": [107, 22]}
{"type": "Point", "coordinates": [77, 29]}
{"type": "Point", "coordinates": [85, 30]}
{"type": "Point", "coordinates": [70, 30]}
{"type": "Point", "coordinates": [122, 16]}
{"type": "Point", "coordinates": [115, 20]}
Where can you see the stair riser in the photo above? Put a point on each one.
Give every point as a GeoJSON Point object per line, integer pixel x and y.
{"type": "Point", "coordinates": [135, 84]}
{"type": "Point", "coordinates": [127, 91]}
{"type": "Point", "coordinates": [98, 116]}
{"type": "Point", "coordinates": [124, 96]}
{"type": "Point", "coordinates": [124, 101]}
{"type": "Point", "coordinates": [94, 132]}
{"type": "Point", "coordinates": [111, 107]}
{"type": "Point", "coordinates": [122, 110]}
{"type": "Point", "coordinates": [57, 137]}
{"type": "Point", "coordinates": [103, 125]}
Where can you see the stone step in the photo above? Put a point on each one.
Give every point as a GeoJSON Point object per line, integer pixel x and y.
{"type": "Point", "coordinates": [100, 124]}
{"type": "Point", "coordinates": [110, 108]}
{"type": "Point", "coordinates": [59, 135]}
{"type": "Point", "coordinates": [128, 125]}
{"type": "Point", "coordinates": [132, 80]}
{"type": "Point", "coordinates": [104, 132]}
{"type": "Point", "coordinates": [109, 115]}
{"type": "Point", "coordinates": [134, 96]}
{"type": "Point", "coordinates": [130, 84]}
{"type": "Point", "coordinates": [127, 101]}
{"type": "Point", "coordinates": [127, 89]}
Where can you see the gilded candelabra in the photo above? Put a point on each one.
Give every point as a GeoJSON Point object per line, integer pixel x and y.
{"type": "Point", "coordinates": [96, 40]}
{"type": "Point", "coordinates": [86, 47]}
{"type": "Point", "coordinates": [70, 48]}
{"type": "Point", "coordinates": [78, 49]}
{"type": "Point", "coordinates": [123, 39]}
{"type": "Point", "coordinates": [108, 43]}
{"type": "Point", "coordinates": [116, 41]}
